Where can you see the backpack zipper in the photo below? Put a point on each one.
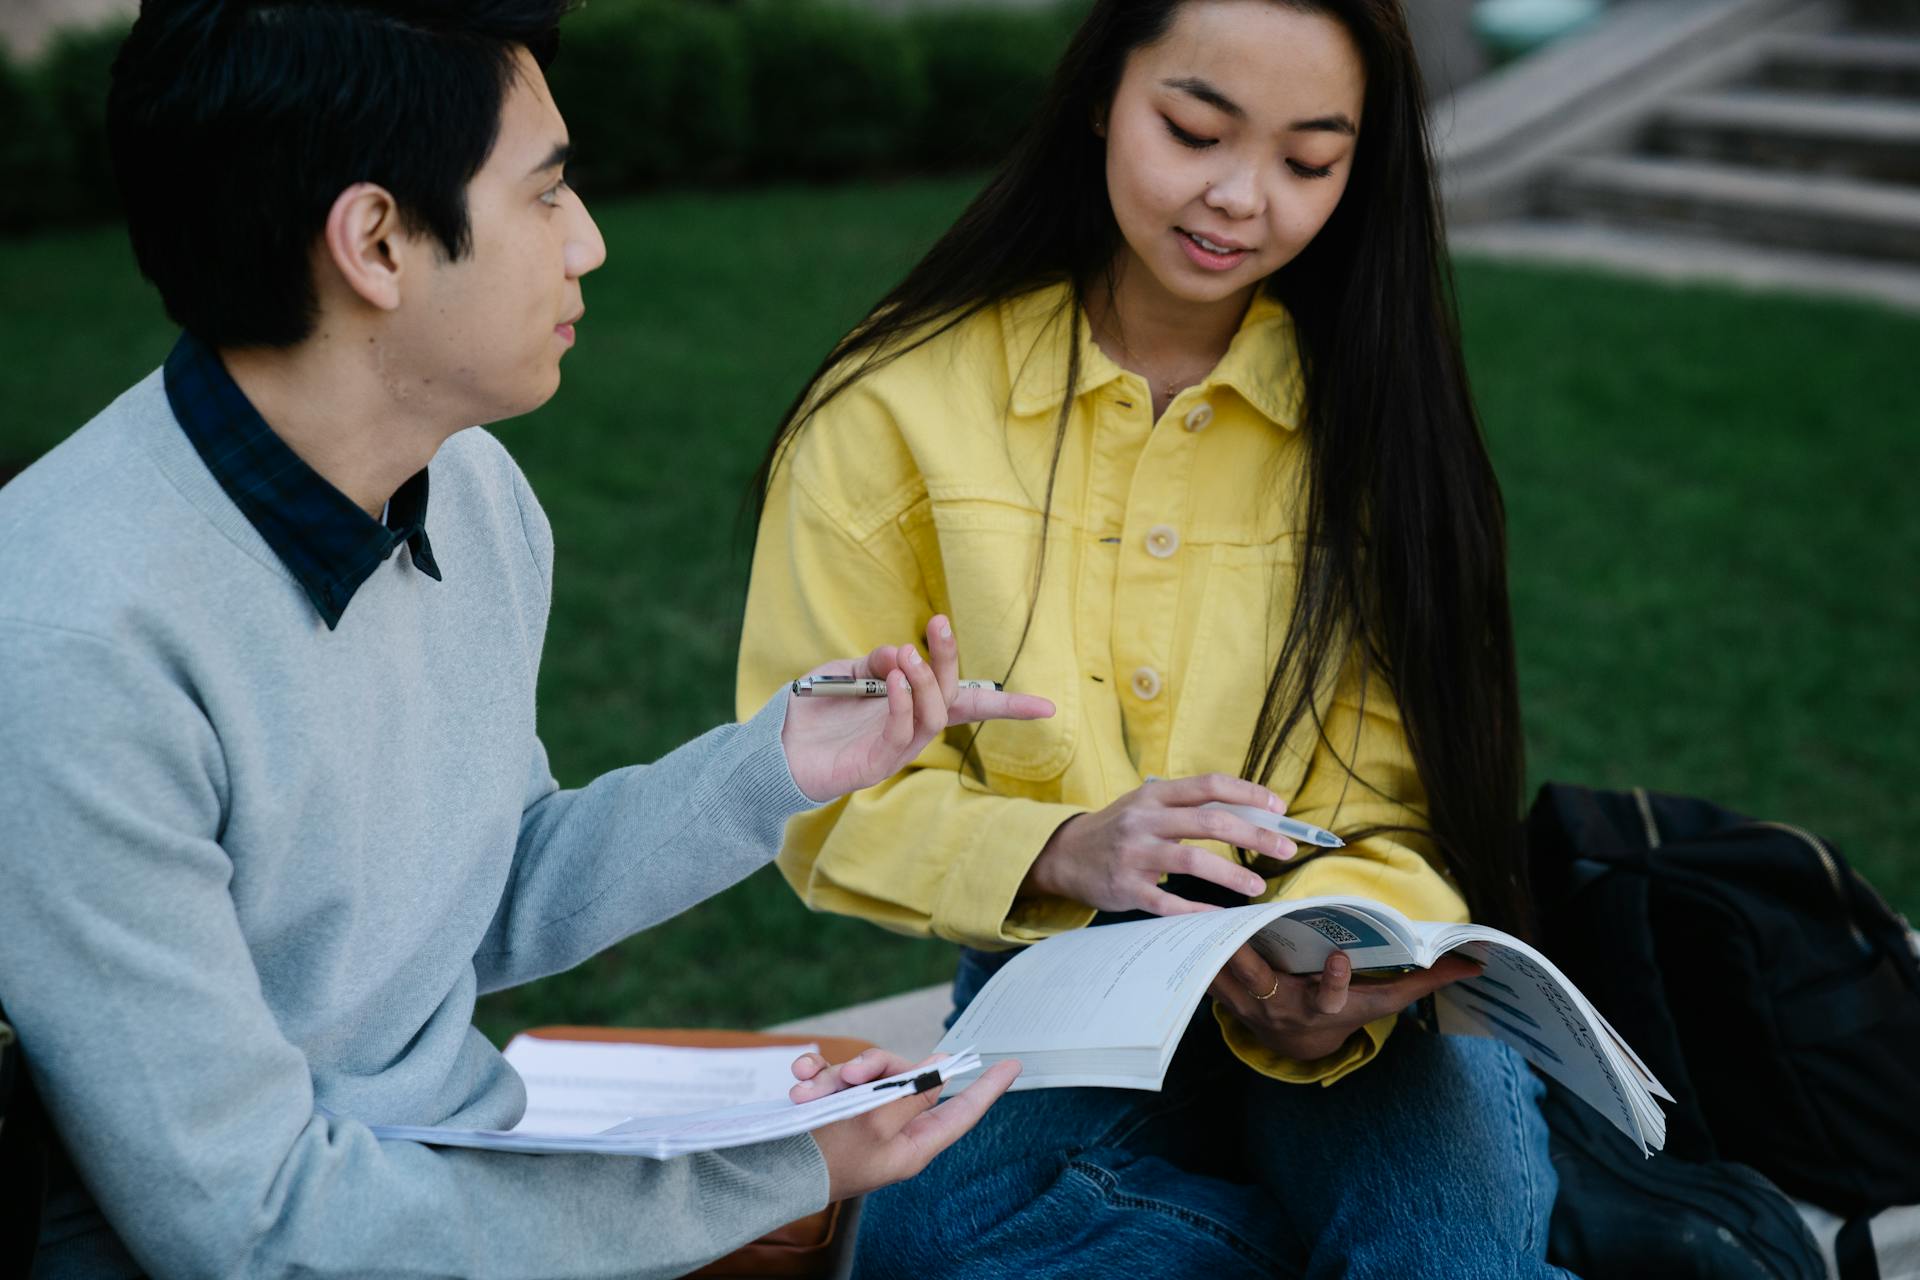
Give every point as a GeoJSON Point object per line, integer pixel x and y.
{"type": "Point", "coordinates": [1651, 827]}
{"type": "Point", "coordinates": [1833, 873]}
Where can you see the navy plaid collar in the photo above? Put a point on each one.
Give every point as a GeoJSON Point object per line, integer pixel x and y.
{"type": "Point", "coordinates": [328, 544]}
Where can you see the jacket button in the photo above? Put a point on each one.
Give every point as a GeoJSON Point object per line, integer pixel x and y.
{"type": "Point", "coordinates": [1146, 683]}
{"type": "Point", "coordinates": [1200, 417]}
{"type": "Point", "coordinates": [1162, 541]}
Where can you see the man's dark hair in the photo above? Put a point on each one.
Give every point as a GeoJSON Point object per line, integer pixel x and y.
{"type": "Point", "coordinates": [235, 124]}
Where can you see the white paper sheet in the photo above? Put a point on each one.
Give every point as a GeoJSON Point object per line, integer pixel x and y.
{"type": "Point", "coordinates": [581, 1086]}
{"type": "Point", "coordinates": [664, 1137]}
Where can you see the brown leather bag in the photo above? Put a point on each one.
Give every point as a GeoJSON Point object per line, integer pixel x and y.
{"type": "Point", "coordinates": [811, 1248]}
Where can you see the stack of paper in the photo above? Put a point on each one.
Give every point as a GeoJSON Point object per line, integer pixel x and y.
{"type": "Point", "coordinates": [572, 1079]}
{"type": "Point", "coordinates": [581, 1086]}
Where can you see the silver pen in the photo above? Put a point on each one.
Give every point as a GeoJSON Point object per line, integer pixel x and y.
{"type": "Point", "coordinates": [863, 686]}
{"type": "Point", "coordinates": [1291, 828]}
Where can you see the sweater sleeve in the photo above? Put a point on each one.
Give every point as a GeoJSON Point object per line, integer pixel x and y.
{"type": "Point", "coordinates": [1362, 775]}
{"type": "Point", "coordinates": [187, 1113]}
{"type": "Point", "coordinates": [638, 845]}
{"type": "Point", "coordinates": [926, 852]}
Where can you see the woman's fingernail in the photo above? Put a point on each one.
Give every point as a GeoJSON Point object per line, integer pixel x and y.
{"type": "Point", "coordinates": [1273, 804]}
{"type": "Point", "coordinates": [946, 629]}
{"type": "Point", "coordinates": [913, 656]}
{"type": "Point", "coordinates": [1255, 885]}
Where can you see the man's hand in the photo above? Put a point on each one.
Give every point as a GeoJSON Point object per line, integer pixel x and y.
{"type": "Point", "coordinates": [1114, 859]}
{"type": "Point", "coordinates": [837, 745]}
{"type": "Point", "coordinates": [896, 1141]}
{"type": "Point", "coordinates": [1309, 1016]}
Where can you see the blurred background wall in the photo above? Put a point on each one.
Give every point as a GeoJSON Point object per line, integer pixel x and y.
{"type": "Point", "coordinates": [26, 25]}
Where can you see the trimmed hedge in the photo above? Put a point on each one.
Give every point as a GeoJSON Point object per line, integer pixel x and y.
{"type": "Point", "coordinates": [71, 78]}
{"type": "Point", "coordinates": [23, 160]}
{"type": "Point", "coordinates": [53, 132]}
{"type": "Point", "coordinates": [836, 90]}
{"type": "Point", "coordinates": [986, 70]}
{"type": "Point", "coordinates": [655, 92]}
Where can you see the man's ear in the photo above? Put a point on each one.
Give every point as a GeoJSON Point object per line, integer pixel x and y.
{"type": "Point", "coordinates": [366, 243]}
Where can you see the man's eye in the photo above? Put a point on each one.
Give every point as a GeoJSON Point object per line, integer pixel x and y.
{"type": "Point", "coordinates": [1186, 139]}
{"type": "Point", "coordinates": [552, 194]}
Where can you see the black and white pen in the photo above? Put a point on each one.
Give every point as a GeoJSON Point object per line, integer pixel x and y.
{"type": "Point", "coordinates": [863, 686]}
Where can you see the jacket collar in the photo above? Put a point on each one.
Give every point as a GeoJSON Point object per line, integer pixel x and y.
{"type": "Point", "coordinates": [1262, 363]}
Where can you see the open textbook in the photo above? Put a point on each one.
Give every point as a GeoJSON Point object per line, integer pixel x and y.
{"type": "Point", "coordinates": [661, 1101]}
{"type": "Point", "coordinates": [1106, 1006]}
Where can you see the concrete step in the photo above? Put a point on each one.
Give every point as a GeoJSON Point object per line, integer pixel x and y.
{"type": "Point", "coordinates": [1867, 137]}
{"type": "Point", "coordinates": [1887, 66]}
{"type": "Point", "coordinates": [1682, 258]}
{"type": "Point", "coordinates": [1844, 217]}
{"type": "Point", "coordinates": [908, 1024]}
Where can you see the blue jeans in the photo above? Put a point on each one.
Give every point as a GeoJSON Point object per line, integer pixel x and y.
{"type": "Point", "coordinates": [1429, 1161]}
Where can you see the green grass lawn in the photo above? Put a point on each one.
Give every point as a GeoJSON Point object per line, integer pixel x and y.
{"type": "Point", "coordinates": [1714, 549]}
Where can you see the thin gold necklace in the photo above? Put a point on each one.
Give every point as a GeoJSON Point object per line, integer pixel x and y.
{"type": "Point", "coordinates": [1171, 386]}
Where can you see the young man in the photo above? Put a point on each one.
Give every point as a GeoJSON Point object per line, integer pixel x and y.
{"type": "Point", "coordinates": [272, 807]}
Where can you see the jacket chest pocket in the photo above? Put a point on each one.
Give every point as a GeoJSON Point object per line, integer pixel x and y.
{"type": "Point", "coordinates": [978, 561]}
{"type": "Point", "coordinates": [1241, 625]}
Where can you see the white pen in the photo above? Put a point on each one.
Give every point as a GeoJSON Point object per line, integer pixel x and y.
{"type": "Point", "coordinates": [1291, 828]}
{"type": "Point", "coordinates": [863, 687]}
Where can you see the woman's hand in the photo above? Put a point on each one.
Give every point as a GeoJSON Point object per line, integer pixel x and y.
{"type": "Point", "coordinates": [893, 1142]}
{"type": "Point", "coordinates": [1308, 1016]}
{"type": "Point", "coordinates": [837, 745]}
{"type": "Point", "coordinates": [1112, 860]}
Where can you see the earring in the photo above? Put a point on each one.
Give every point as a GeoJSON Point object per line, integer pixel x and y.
{"type": "Point", "coordinates": [1099, 128]}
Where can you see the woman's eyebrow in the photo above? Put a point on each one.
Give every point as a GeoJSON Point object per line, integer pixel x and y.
{"type": "Point", "coordinates": [1195, 87]}
{"type": "Point", "coordinates": [1339, 122]}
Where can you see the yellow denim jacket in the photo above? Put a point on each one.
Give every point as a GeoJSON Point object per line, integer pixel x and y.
{"type": "Point", "coordinates": [1170, 570]}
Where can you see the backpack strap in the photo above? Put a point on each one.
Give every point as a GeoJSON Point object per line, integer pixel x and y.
{"type": "Point", "coordinates": [1853, 1254]}
{"type": "Point", "coordinates": [1568, 823]}
{"type": "Point", "coordinates": [1589, 852]}
{"type": "Point", "coordinates": [23, 1158]}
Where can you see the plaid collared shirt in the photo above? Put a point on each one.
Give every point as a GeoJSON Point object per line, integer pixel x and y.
{"type": "Point", "coordinates": [327, 543]}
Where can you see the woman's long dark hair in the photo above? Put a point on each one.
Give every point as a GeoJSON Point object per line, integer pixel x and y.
{"type": "Point", "coordinates": [1405, 535]}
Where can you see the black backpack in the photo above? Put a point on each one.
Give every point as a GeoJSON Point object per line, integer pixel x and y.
{"type": "Point", "coordinates": [1764, 982]}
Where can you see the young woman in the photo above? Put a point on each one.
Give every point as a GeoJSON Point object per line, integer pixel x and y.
{"type": "Point", "coordinates": [1174, 421]}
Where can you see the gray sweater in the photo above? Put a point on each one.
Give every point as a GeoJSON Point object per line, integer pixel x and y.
{"type": "Point", "coordinates": [254, 872]}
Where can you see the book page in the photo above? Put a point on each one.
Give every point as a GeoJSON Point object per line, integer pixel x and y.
{"type": "Point", "coordinates": [583, 1086]}
{"type": "Point", "coordinates": [1438, 938]}
{"type": "Point", "coordinates": [1314, 928]}
{"type": "Point", "coordinates": [1131, 985]}
{"type": "Point", "coordinates": [1524, 1001]}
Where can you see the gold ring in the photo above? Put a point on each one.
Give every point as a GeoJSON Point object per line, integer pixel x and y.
{"type": "Point", "coordinates": [1270, 994]}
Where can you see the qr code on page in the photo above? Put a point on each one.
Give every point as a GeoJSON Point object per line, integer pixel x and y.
{"type": "Point", "coordinates": [1332, 930]}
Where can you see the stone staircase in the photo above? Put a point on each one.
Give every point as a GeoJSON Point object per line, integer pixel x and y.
{"type": "Point", "coordinates": [1793, 161]}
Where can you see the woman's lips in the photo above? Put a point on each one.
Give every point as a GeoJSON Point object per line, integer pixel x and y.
{"type": "Point", "coordinates": [1207, 258]}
